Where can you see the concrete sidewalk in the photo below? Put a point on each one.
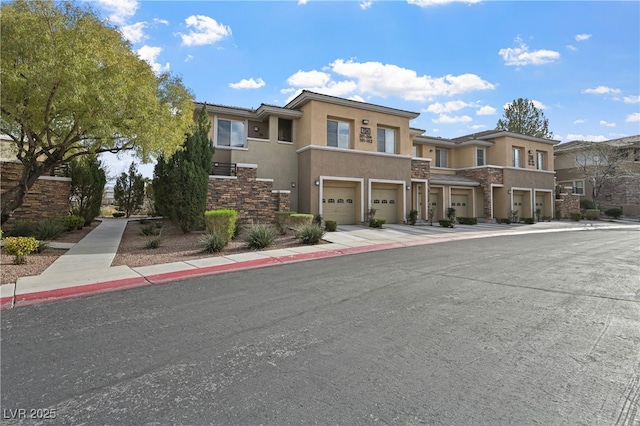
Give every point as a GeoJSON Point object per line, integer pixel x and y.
{"type": "Point", "coordinates": [85, 268]}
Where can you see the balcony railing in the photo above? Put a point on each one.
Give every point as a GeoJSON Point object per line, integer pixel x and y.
{"type": "Point", "coordinates": [61, 170]}
{"type": "Point", "coordinates": [223, 169]}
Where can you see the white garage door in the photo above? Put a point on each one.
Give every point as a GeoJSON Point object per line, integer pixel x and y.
{"type": "Point", "coordinates": [461, 204]}
{"type": "Point", "coordinates": [339, 204]}
{"type": "Point", "coordinates": [385, 203]}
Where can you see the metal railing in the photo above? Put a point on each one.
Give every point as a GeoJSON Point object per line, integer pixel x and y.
{"type": "Point", "coordinates": [61, 170]}
{"type": "Point", "coordinates": [223, 169]}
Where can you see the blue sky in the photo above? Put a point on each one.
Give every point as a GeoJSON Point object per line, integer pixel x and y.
{"type": "Point", "coordinates": [458, 63]}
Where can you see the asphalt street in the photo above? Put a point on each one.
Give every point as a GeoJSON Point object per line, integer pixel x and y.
{"type": "Point", "coordinates": [528, 329]}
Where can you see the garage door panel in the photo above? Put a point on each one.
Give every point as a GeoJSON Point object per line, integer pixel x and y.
{"type": "Point", "coordinates": [339, 204]}
{"type": "Point", "coordinates": [461, 204]}
{"type": "Point", "coordinates": [386, 204]}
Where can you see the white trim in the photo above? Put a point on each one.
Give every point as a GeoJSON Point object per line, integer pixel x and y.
{"type": "Point", "coordinates": [231, 148]}
{"type": "Point", "coordinates": [528, 170]}
{"type": "Point", "coordinates": [280, 191]}
{"type": "Point", "coordinates": [267, 140]}
{"type": "Point", "coordinates": [246, 166]}
{"type": "Point", "coordinates": [343, 179]}
{"type": "Point", "coordinates": [222, 177]}
{"type": "Point", "coordinates": [421, 159]}
{"type": "Point", "coordinates": [349, 150]}
{"type": "Point", "coordinates": [392, 182]}
{"type": "Point", "coordinates": [473, 197]}
{"type": "Point", "coordinates": [484, 156]}
{"type": "Point", "coordinates": [530, 191]}
{"type": "Point", "coordinates": [264, 180]}
{"type": "Point", "coordinates": [56, 178]}
{"type": "Point", "coordinates": [285, 142]}
{"type": "Point", "coordinates": [425, 195]}
{"type": "Point", "coordinates": [550, 191]}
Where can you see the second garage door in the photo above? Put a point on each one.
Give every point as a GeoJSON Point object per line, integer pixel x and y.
{"type": "Point", "coordinates": [338, 204]}
{"type": "Point", "coordinates": [460, 203]}
{"type": "Point", "coordinates": [385, 203]}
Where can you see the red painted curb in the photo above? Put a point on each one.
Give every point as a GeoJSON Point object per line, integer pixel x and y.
{"type": "Point", "coordinates": [78, 291]}
{"type": "Point", "coordinates": [6, 303]}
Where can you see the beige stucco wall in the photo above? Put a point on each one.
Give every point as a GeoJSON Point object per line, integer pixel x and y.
{"type": "Point", "coordinates": [500, 153]}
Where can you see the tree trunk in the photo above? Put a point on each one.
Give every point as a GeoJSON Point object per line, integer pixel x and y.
{"type": "Point", "coordinates": [14, 197]}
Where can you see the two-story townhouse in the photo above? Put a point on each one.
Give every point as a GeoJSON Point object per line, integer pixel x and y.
{"type": "Point", "coordinates": [490, 174]}
{"type": "Point", "coordinates": [623, 190]}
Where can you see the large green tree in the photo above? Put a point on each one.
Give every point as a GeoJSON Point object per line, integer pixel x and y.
{"type": "Point", "coordinates": [181, 184]}
{"type": "Point", "coordinates": [88, 179]}
{"type": "Point", "coordinates": [72, 86]}
{"type": "Point", "coordinates": [128, 191]}
{"type": "Point", "coordinates": [523, 117]}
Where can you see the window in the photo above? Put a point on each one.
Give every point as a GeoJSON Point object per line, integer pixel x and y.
{"type": "Point", "coordinates": [517, 157]}
{"type": "Point", "coordinates": [387, 140]}
{"type": "Point", "coordinates": [338, 134]}
{"type": "Point", "coordinates": [540, 160]}
{"type": "Point", "coordinates": [441, 157]}
{"type": "Point", "coordinates": [285, 132]}
{"type": "Point", "coordinates": [231, 133]}
{"type": "Point", "coordinates": [578, 187]}
{"type": "Point", "coordinates": [480, 156]}
{"type": "Point", "coordinates": [415, 150]}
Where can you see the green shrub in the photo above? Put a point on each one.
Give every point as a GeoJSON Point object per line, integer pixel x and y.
{"type": "Point", "coordinates": [149, 229]}
{"type": "Point", "coordinates": [221, 221]}
{"type": "Point", "coordinates": [20, 247]}
{"type": "Point", "coordinates": [260, 236]}
{"type": "Point", "coordinates": [376, 223]}
{"type": "Point", "coordinates": [50, 228]}
{"type": "Point", "coordinates": [614, 212]}
{"type": "Point", "coordinates": [214, 242]}
{"type": "Point", "coordinates": [546, 218]}
{"type": "Point", "coordinates": [282, 221]}
{"type": "Point", "coordinates": [586, 204]}
{"type": "Point", "coordinates": [447, 223]}
{"type": "Point", "coordinates": [317, 219]}
{"type": "Point", "coordinates": [310, 234]}
{"type": "Point", "coordinates": [297, 220]}
{"type": "Point", "coordinates": [154, 242]}
{"type": "Point", "coordinates": [42, 246]}
{"type": "Point", "coordinates": [504, 220]}
{"type": "Point", "coordinates": [528, 220]}
{"type": "Point", "coordinates": [73, 222]}
{"type": "Point", "coordinates": [576, 216]}
{"type": "Point", "coordinates": [467, 220]}
{"type": "Point", "coordinates": [330, 225]}
{"type": "Point", "coordinates": [413, 217]}
{"type": "Point", "coordinates": [592, 214]}
{"type": "Point", "coordinates": [119, 214]}
{"type": "Point", "coordinates": [23, 228]}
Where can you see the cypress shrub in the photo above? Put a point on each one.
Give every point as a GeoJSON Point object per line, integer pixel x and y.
{"type": "Point", "coordinates": [221, 221]}
{"type": "Point", "coordinates": [297, 220]}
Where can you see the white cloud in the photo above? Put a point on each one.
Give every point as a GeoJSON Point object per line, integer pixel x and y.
{"type": "Point", "coordinates": [120, 10]}
{"type": "Point", "coordinates": [447, 119]}
{"type": "Point", "coordinates": [364, 5]}
{"type": "Point", "coordinates": [309, 78]}
{"type": "Point", "coordinates": [248, 84]}
{"type": "Point", "coordinates": [205, 30]}
{"type": "Point", "coordinates": [427, 3]}
{"type": "Point", "coordinates": [521, 55]}
{"type": "Point", "coordinates": [188, 58]}
{"type": "Point", "coordinates": [604, 123]}
{"type": "Point", "coordinates": [592, 138]}
{"type": "Point", "coordinates": [579, 121]}
{"type": "Point", "coordinates": [160, 21]}
{"type": "Point", "coordinates": [633, 118]}
{"type": "Point", "coordinates": [601, 90]}
{"type": "Point", "coordinates": [450, 106]}
{"type": "Point", "coordinates": [150, 54]}
{"type": "Point", "coordinates": [302, 2]}
{"type": "Point", "coordinates": [631, 99]}
{"type": "Point", "coordinates": [582, 37]}
{"type": "Point", "coordinates": [536, 104]}
{"type": "Point", "coordinates": [486, 110]}
{"type": "Point", "coordinates": [134, 32]}
{"type": "Point", "coordinates": [478, 126]}
{"type": "Point", "coordinates": [571, 47]}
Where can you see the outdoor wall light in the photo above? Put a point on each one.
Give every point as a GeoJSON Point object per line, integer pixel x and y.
{"type": "Point", "coordinates": [317, 182]}
{"type": "Point", "coordinates": [365, 121]}
{"type": "Point", "coordinates": [293, 184]}
{"type": "Point", "coordinates": [509, 192]}
{"type": "Point", "coordinates": [408, 187]}
{"type": "Point", "coordinates": [256, 128]}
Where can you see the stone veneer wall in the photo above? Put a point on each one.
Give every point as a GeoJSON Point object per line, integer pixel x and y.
{"type": "Point", "coordinates": [420, 169]}
{"type": "Point", "coordinates": [623, 192]}
{"type": "Point", "coordinates": [486, 176]}
{"type": "Point", "coordinates": [253, 198]}
{"type": "Point", "coordinates": [567, 203]}
{"type": "Point", "coordinates": [48, 197]}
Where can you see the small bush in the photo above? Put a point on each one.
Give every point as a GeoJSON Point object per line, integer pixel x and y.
{"type": "Point", "coordinates": [214, 242]}
{"type": "Point", "coordinates": [528, 220]}
{"type": "Point", "coordinates": [119, 214]}
{"type": "Point", "coordinates": [586, 204]}
{"type": "Point", "coordinates": [42, 246]}
{"type": "Point", "coordinates": [413, 217]}
{"type": "Point", "coordinates": [50, 228]}
{"type": "Point", "coordinates": [546, 218]}
{"type": "Point", "coordinates": [330, 225]}
{"type": "Point", "coordinates": [260, 236]}
{"type": "Point", "coordinates": [377, 223]}
{"type": "Point", "coordinates": [20, 247]}
{"type": "Point", "coordinates": [467, 220]}
{"type": "Point", "coordinates": [447, 223]}
{"type": "Point", "coordinates": [221, 221]}
{"type": "Point", "coordinates": [576, 216]}
{"type": "Point", "coordinates": [317, 219]}
{"type": "Point", "coordinates": [615, 212]}
{"type": "Point", "coordinates": [149, 229]}
{"type": "Point", "coordinates": [592, 214]}
{"type": "Point", "coordinates": [23, 228]}
{"type": "Point", "coordinates": [504, 220]}
{"type": "Point", "coordinates": [297, 220]}
{"type": "Point", "coordinates": [310, 234]}
{"type": "Point", "coordinates": [153, 242]}
{"type": "Point", "coordinates": [73, 222]}
{"type": "Point", "coordinates": [282, 221]}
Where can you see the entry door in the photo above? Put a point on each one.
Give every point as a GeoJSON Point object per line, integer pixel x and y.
{"type": "Point", "coordinates": [338, 204]}
{"type": "Point", "coordinates": [540, 204]}
{"type": "Point", "coordinates": [384, 201]}
{"type": "Point", "coordinates": [461, 204]}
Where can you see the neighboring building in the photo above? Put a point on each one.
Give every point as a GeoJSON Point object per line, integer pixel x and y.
{"type": "Point", "coordinates": [623, 191]}
{"type": "Point", "coordinates": [339, 158]}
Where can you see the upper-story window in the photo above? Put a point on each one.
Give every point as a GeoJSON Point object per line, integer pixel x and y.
{"type": "Point", "coordinates": [441, 157]}
{"type": "Point", "coordinates": [231, 133]}
{"type": "Point", "coordinates": [540, 160]}
{"type": "Point", "coordinates": [386, 140]}
{"type": "Point", "coordinates": [285, 130]}
{"type": "Point", "coordinates": [481, 155]}
{"type": "Point", "coordinates": [338, 134]}
{"type": "Point", "coordinates": [516, 157]}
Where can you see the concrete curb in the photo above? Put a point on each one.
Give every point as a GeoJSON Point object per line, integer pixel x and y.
{"type": "Point", "coordinates": [335, 250]}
